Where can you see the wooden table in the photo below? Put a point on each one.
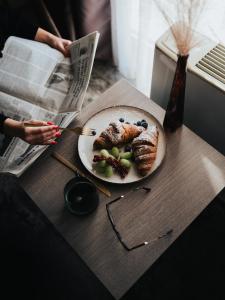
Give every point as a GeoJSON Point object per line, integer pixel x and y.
{"type": "Point", "coordinates": [192, 174]}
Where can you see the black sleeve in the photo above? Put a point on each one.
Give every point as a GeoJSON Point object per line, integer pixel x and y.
{"type": "Point", "coordinates": [2, 119]}
{"type": "Point", "coordinates": [11, 23]}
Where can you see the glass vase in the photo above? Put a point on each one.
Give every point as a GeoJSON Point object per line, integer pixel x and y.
{"type": "Point", "coordinates": [175, 108]}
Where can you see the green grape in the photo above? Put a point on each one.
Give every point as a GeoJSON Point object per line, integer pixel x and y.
{"type": "Point", "coordinates": [108, 171]}
{"type": "Point", "coordinates": [115, 152]}
{"type": "Point", "coordinates": [125, 163]}
{"type": "Point", "coordinates": [126, 155]}
{"type": "Point", "coordinates": [102, 164]}
{"type": "Point", "coordinates": [99, 168]}
{"type": "Point", "coordinates": [104, 153]}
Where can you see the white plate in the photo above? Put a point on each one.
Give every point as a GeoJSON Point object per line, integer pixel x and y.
{"type": "Point", "coordinates": [100, 122]}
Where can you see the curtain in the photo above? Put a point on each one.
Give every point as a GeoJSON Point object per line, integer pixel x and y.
{"type": "Point", "coordinates": [136, 26]}
{"type": "Point", "coordinates": [91, 15]}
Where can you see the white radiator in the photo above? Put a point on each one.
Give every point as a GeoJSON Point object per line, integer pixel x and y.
{"type": "Point", "coordinates": [205, 86]}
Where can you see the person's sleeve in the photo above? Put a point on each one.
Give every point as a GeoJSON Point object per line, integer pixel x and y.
{"type": "Point", "coordinates": [2, 120]}
{"type": "Point", "coordinates": [12, 23]}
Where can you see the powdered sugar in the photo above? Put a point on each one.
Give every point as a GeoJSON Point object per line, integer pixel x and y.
{"type": "Point", "coordinates": [147, 135]}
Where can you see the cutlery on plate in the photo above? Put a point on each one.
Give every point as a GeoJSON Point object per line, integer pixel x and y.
{"type": "Point", "coordinates": [78, 130]}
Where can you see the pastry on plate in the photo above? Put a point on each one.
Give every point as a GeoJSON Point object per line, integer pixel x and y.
{"type": "Point", "coordinates": [117, 134]}
{"type": "Point", "coordinates": [145, 148]}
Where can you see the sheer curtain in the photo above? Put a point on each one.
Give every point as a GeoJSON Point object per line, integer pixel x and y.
{"type": "Point", "coordinates": [136, 26]}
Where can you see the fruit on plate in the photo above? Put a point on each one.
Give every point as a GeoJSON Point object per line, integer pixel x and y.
{"type": "Point", "coordinates": [125, 163]}
{"type": "Point", "coordinates": [106, 164]}
{"type": "Point", "coordinates": [126, 155]}
{"type": "Point", "coordinates": [115, 152]}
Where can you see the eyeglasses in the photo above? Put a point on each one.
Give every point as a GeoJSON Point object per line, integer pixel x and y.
{"type": "Point", "coordinates": [110, 216]}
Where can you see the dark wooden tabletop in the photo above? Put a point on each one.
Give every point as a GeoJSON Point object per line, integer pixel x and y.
{"type": "Point", "coordinates": [192, 174]}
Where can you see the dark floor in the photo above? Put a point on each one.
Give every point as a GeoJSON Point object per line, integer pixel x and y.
{"type": "Point", "coordinates": [103, 76]}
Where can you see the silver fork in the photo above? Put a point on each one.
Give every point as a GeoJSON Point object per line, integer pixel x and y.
{"type": "Point", "coordinates": [78, 130]}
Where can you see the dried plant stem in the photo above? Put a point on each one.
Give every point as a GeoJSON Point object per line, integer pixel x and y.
{"type": "Point", "coordinates": [182, 16]}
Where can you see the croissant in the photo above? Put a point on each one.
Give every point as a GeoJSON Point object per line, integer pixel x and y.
{"type": "Point", "coordinates": [145, 148]}
{"type": "Point", "coordinates": [117, 134]}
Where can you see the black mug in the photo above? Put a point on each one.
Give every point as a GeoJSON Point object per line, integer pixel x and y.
{"type": "Point", "coordinates": [81, 196]}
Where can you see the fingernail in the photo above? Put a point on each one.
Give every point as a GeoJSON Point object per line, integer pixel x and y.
{"type": "Point", "coordinates": [55, 127]}
{"type": "Point", "coordinates": [58, 134]}
{"type": "Point", "coordinates": [53, 142]}
{"type": "Point", "coordinates": [50, 123]}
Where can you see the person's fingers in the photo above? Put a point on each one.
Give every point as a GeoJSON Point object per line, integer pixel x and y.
{"type": "Point", "coordinates": [36, 122]}
{"type": "Point", "coordinates": [50, 123]}
{"type": "Point", "coordinates": [63, 46]}
{"type": "Point", "coordinates": [41, 130]}
{"type": "Point", "coordinates": [58, 134]}
{"type": "Point", "coordinates": [45, 142]}
{"type": "Point", "coordinates": [41, 138]}
{"type": "Point", "coordinates": [36, 135]}
{"type": "Point", "coordinates": [38, 139]}
{"type": "Point", "coordinates": [63, 49]}
{"type": "Point", "coordinates": [66, 42]}
{"type": "Point", "coordinates": [50, 142]}
{"type": "Point", "coordinates": [66, 52]}
{"type": "Point", "coordinates": [49, 136]}
{"type": "Point", "coordinates": [39, 123]}
{"type": "Point", "coordinates": [67, 49]}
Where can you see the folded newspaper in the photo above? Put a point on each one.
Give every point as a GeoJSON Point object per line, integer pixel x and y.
{"type": "Point", "coordinates": [38, 82]}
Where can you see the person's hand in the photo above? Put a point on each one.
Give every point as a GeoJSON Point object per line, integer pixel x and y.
{"type": "Point", "coordinates": [52, 40]}
{"type": "Point", "coordinates": [42, 135]}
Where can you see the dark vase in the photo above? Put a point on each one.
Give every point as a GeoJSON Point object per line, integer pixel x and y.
{"type": "Point", "coordinates": [175, 108]}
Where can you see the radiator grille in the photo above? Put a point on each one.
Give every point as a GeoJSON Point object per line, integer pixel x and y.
{"type": "Point", "coordinates": [213, 63]}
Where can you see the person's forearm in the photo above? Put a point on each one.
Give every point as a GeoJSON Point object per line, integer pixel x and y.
{"type": "Point", "coordinates": [43, 36]}
{"type": "Point", "coordinates": [56, 42]}
{"type": "Point", "coordinates": [41, 133]}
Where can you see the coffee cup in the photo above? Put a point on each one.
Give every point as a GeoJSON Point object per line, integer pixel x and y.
{"type": "Point", "coordinates": [81, 196]}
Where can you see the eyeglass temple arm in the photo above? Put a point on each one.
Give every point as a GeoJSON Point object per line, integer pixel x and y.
{"type": "Point", "coordinates": [147, 189]}
{"type": "Point", "coordinates": [114, 227]}
{"type": "Point", "coordinates": [115, 200]}
{"type": "Point", "coordinates": [158, 238]}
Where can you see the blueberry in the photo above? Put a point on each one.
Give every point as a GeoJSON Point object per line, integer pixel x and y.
{"type": "Point", "coordinates": [127, 148]}
{"type": "Point", "coordinates": [143, 121]}
{"type": "Point", "coordinates": [93, 132]}
{"type": "Point", "coordinates": [144, 124]}
{"type": "Point", "coordinates": [121, 120]}
{"type": "Point", "coordinates": [138, 123]}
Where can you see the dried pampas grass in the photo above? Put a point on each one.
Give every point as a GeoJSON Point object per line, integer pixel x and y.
{"type": "Point", "coordinates": [182, 16]}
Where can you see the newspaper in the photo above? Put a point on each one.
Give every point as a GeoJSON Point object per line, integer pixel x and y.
{"type": "Point", "coordinates": [38, 82]}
